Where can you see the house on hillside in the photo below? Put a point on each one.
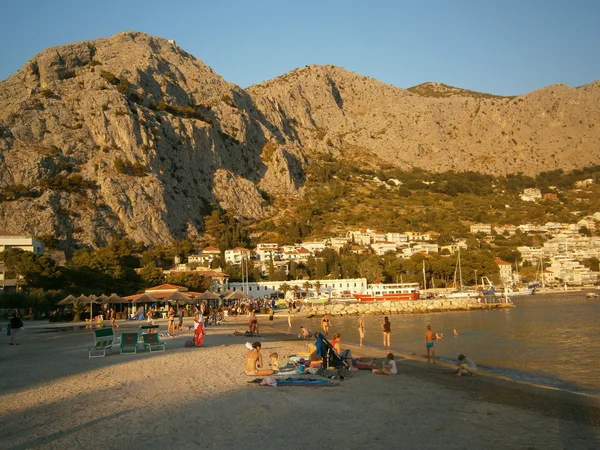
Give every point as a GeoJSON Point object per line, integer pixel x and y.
{"type": "Point", "coordinates": [505, 268]}
{"type": "Point", "coordinates": [484, 228]}
{"type": "Point", "coordinates": [205, 256]}
{"type": "Point", "coordinates": [237, 255]}
{"type": "Point", "coordinates": [267, 251]}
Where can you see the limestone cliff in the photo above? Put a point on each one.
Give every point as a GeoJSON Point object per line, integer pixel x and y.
{"type": "Point", "coordinates": [132, 136]}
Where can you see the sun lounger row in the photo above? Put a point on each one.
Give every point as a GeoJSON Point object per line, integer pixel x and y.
{"type": "Point", "coordinates": [104, 339]}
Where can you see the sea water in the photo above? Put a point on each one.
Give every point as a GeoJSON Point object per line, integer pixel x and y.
{"type": "Point", "coordinates": [553, 340]}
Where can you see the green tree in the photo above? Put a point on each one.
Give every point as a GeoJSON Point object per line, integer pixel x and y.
{"type": "Point", "coordinates": [193, 281]}
{"type": "Point", "coordinates": [151, 275]}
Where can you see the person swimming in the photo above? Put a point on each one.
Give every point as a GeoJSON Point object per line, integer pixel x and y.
{"type": "Point", "coordinates": [455, 331]}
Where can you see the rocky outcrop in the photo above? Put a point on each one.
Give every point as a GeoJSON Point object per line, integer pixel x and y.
{"type": "Point", "coordinates": [132, 136]}
{"type": "Point", "coordinates": [402, 307]}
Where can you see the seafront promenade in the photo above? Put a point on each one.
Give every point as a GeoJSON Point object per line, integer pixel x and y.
{"type": "Point", "coordinates": [53, 396]}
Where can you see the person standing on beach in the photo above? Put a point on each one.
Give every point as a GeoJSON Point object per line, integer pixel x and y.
{"type": "Point", "coordinates": [180, 317]}
{"type": "Point", "coordinates": [361, 328]}
{"type": "Point", "coordinates": [171, 317]}
{"type": "Point", "coordinates": [113, 318]}
{"type": "Point", "coordinates": [325, 322]}
{"type": "Point", "coordinates": [253, 324]}
{"type": "Point", "coordinates": [15, 328]}
{"type": "Point", "coordinates": [387, 332]}
{"type": "Point", "coordinates": [271, 316]}
{"type": "Point", "coordinates": [429, 343]}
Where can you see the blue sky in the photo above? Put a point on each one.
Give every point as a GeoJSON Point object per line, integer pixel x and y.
{"type": "Point", "coordinates": [502, 47]}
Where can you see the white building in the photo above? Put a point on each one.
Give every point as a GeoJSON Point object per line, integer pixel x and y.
{"type": "Point", "coordinates": [484, 228]}
{"type": "Point", "coordinates": [330, 288]}
{"type": "Point", "coordinates": [337, 243]}
{"type": "Point", "coordinates": [237, 255]}
{"type": "Point", "coordinates": [314, 246]}
{"type": "Point", "coordinates": [505, 268]}
{"type": "Point", "coordinates": [531, 195]}
{"type": "Point", "coordinates": [380, 248]}
{"type": "Point", "coordinates": [267, 251]}
{"type": "Point", "coordinates": [10, 242]}
{"type": "Point", "coordinates": [205, 257]}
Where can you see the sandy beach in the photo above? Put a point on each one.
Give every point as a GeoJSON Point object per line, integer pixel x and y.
{"type": "Point", "coordinates": [53, 396]}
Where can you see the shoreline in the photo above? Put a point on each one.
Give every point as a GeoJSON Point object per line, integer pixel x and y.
{"type": "Point", "coordinates": [55, 397]}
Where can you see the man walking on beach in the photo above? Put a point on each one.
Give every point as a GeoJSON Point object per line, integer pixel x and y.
{"type": "Point", "coordinates": [429, 343]}
{"type": "Point", "coordinates": [361, 328]}
{"type": "Point", "coordinates": [387, 333]}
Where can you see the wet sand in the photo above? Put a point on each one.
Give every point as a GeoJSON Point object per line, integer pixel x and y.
{"type": "Point", "coordinates": [53, 396]}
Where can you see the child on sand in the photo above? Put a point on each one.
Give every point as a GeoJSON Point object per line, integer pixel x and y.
{"type": "Point", "coordinates": [274, 361]}
{"type": "Point", "coordinates": [389, 366]}
{"type": "Point", "coordinates": [465, 365]}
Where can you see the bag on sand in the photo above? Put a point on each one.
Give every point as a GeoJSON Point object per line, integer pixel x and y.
{"type": "Point", "coordinates": [189, 342]}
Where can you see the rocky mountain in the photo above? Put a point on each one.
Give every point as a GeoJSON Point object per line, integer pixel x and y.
{"type": "Point", "coordinates": [131, 135]}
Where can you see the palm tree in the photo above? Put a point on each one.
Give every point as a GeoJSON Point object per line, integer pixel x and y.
{"type": "Point", "coordinates": [77, 308]}
{"type": "Point", "coordinates": [285, 288]}
{"type": "Point", "coordinates": [307, 285]}
{"type": "Point", "coordinates": [295, 288]}
{"type": "Point", "coordinates": [318, 287]}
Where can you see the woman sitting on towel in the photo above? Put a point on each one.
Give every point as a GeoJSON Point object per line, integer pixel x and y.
{"type": "Point", "coordinates": [254, 363]}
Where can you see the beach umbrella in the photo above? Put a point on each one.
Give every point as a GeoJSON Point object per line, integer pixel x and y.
{"type": "Point", "coordinates": [68, 300]}
{"type": "Point", "coordinates": [208, 295]}
{"type": "Point", "coordinates": [237, 295]}
{"type": "Point", "coordinates": [114, 298]}
{"type": "Point", "coordinates": [103, 299]}
{"type": "Point", "coordinates": [91, 300]}
{"type": "Point", "coordinates": [146, 298]}
{"type": "Point", "coordinates": [178, 297]}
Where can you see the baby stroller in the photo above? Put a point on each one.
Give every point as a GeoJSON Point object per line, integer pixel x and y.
{"type": "Point", "coordinates": [331, 358]}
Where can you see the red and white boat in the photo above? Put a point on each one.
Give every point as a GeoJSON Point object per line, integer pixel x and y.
{"type": "Point", "coordinates": [391, 292]}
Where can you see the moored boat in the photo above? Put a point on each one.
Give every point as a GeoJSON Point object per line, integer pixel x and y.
{"type": "Point", "coordinates": [389, 292]}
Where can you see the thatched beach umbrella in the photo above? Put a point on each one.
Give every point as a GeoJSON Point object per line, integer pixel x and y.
{"type": "Point", "coordinates": [103, 299]}
{"type": "Point", "coordinates": [114, 298]}
{"type": "Point", "coordinates": [68, 300]}
{"type": "Point", "coordinates": [237, 295]}
{"type": "Point", "coordinates": [89, 299]}
{"type": "Point", "coordinates": [208, 295]}
{"type": "Point", "coordinates": [146, 298]}
{"type": "Point", "coordinates": [178, 297]}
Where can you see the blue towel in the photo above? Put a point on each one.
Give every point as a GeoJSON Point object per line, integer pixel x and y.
{"type": "Point", "coordinates": [302, 382]}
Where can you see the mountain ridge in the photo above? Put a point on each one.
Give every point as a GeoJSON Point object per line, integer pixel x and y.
{"type": "Point", "coordinates": [130, 135]}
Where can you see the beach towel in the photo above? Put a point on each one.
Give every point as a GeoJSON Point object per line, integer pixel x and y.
{"type": "Point", "coordinates": [304, 382]}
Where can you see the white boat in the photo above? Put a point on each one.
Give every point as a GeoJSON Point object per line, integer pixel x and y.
{"type": "Point", "coordinates": [465, 293]}
{"type": "Point", "coordinates": [512, 292]}
{"type": "Point", "coordinates": [344, 297]}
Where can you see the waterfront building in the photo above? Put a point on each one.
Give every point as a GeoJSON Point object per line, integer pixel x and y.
{"type": "Point", "coordinates": [328, 288]}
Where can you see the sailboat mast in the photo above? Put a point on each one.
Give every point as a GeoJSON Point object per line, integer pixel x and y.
{"type": "Point", "coordinates": [460, 271]}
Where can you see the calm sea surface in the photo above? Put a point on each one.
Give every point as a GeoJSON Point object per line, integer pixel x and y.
{"type": "Point", "coordinates": [552, 340]}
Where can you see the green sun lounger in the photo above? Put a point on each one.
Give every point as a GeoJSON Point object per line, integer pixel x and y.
{"type": "Point", "coordinates": [104, 339]}
{"type": "Point", "coordinates": [153, 343]}
{"type": "Point", "coordinates": [129, 342]}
